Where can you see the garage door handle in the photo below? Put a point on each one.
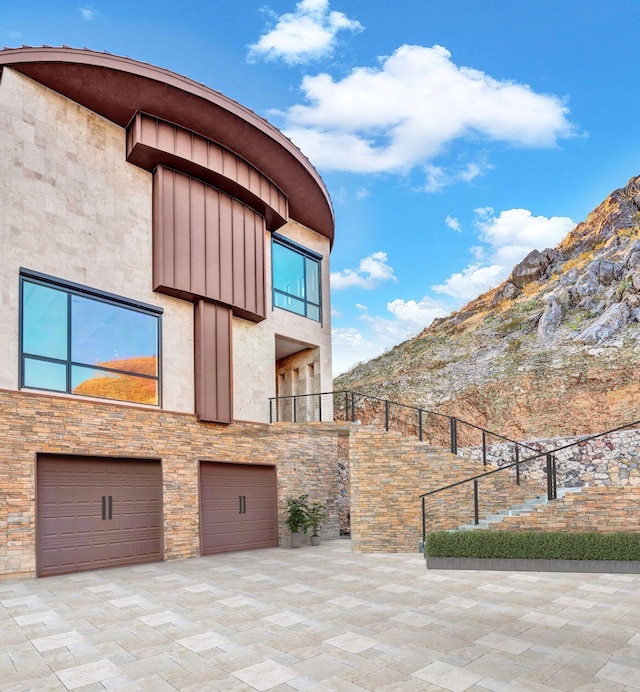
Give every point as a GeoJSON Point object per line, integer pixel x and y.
{"type": "Point", "coordinates": [104, 507]}
{"type": "Point", "coordinates": [242, 504]}
{"type": "Point", "coordinates": [110, 506]}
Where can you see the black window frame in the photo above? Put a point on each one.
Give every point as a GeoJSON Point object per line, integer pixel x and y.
{"type": "Point", "coordinates": [74, 289]}
{"type": "Point", "coordinates": [278, 239]}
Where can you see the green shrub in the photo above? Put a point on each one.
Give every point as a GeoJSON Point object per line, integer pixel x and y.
{"type": "Point", "coordinates": [534, 545]}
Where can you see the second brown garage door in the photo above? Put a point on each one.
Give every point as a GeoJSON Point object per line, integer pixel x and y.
{"type": "Point", "coordinates": [238, 507]}
{"type": "Point", "coordinates": [95, 513]}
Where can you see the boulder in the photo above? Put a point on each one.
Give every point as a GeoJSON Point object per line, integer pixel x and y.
{"type": "Point", "coordinates": [587, 284]}
{"type": "Point", "coordinates": [531, 268]}
{"type": "Point", "coordinates": [551, 317]}
{"type": "Point", "coordinates": [605, 326]}
{"type": "Point", "coordinates": [632, 256]}
{"type": "Point", "coordinates": [606, 271]}
{"type": "Point", "coordinates": [507, 291]}
{"type": "Point", "coordinates": [570, 277]}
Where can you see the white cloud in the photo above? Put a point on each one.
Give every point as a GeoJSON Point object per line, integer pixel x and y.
{"type": "Point", "coordinates": [405, 112]}
{"type": "Point", "coordinates": [351, 345]}
{"type": "Point", "coordinates": [371, 271]}
{"type": "Point", "coordinates": [416, 314]}
{"type": "Point", "coordinates": [437, 178]}
{"type": "Point", "coordinates": [362, 193]}
{"type": "Point", "coordinates": [453, 223]}
{"type": "Point", "coordinates": [508, 237]}
{"type": "Point", "coordinates": [308, 33]}
{"type": "Point", "coordinates": [88, 13]}
{"type": "Point", "coordinates": [515, 232]}
{"type": "Point", "coordinates": [471, 281]}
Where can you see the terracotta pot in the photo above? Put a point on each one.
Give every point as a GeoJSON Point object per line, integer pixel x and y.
{"type": "Point", "coordinates": [315, 540]}
{"type": "Point", "coordinates": [296, 539]}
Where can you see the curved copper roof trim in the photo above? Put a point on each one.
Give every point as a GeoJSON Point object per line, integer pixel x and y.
{"type": "Point", "coordinates": [116, 87]}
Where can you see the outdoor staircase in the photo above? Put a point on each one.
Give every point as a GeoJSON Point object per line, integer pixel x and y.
{"type": "Point", "coordinates": [411, 471]}
{"type": "Point", "coordinates": [537, 504]}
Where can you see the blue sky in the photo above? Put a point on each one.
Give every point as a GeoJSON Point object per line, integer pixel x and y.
{"type": "Point", "coordinates": [453, 135]}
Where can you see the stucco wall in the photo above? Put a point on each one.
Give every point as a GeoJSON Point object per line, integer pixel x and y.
{"type": "Point", "coordinates": [73, 208]}
{"type": "Point", "coordinates": [254, 345]}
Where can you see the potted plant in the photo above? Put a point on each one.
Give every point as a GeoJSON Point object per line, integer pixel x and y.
{"type": "Point", "coordinates": [297, 518]}
{"type": "Point", "coordinates": [316, 515]}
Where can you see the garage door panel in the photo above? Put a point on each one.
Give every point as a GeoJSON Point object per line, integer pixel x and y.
{"type": "Point", "coordinates": [72, 534]}
{"type": "Point", "coordinates": [229, 523]}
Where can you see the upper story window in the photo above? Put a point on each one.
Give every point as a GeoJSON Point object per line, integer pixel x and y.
{"type": "Point", "coordinates": [82, 341]}
{"type": "Point", "coordinates": [296, 278]}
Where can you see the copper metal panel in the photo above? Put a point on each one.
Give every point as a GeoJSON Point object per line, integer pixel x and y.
{"type": "Point", "coordinates": [117, 87]}
{"type": "Point", "coordinates": [213, 363]}
{"type": "Point", "coordinates": [94, 513]}
{"type": "Point", "coordinates": [200, 241]}
{"type": "Point", "coordinates": [240, 267]}
{"type": "Point", "coordinates": [212, 262]}
{"type": "Point", "coordinates": [199, 233]}
{"type": "Point", "coordinates": [238, 507]}
{"type": "Point", "coordinates": [182, 232]}
{"type": "Point", "coordinates": [250, 297]}
{"type": "Point", "coordinates": [152, 142]}
{"type": "Point", "coordinates": [226, 249]}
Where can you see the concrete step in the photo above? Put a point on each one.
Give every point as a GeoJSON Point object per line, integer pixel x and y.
{"type": "Point", "coordinates": [526, 507]}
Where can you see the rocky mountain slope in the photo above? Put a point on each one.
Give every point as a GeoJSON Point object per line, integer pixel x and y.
{"type": "Point", "coordinates": [554, 350]}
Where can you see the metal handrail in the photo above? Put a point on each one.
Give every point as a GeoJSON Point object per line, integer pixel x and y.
{"type": "Point", "coordinates": [552, 492]}
{"type": "Point", "coordinates": [349, 405]}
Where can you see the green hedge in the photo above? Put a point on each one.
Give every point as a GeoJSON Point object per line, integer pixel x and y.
{"type": "Point", "coordinates": [534, 545]}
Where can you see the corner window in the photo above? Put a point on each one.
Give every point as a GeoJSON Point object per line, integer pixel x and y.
{"type": "Point", "coordinates": [81, 341]}
{"type": "Point", "coordinates": [296, 278]}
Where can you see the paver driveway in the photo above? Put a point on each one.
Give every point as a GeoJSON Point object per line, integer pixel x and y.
{"type": "Point", "coordinates": [319, 619]}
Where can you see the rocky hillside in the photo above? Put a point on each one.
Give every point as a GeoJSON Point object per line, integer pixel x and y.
{"type": "Point", "coordinates": [554, 350]}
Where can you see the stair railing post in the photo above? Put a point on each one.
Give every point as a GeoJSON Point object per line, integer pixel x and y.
{"type": "Point", "coordinates": [454, 435]}
{"type": "Point", "coordinates": [386, 415]}
{"type": "Point", "coordinates": [294, 409]}
{"type": "Point", "coordinates": [319, 408]}
{"type": "Point", "coordinates": [424, 522]}
{"type": "Point", "coordinates": [484, 447]}
{"type": "Point", "coordinates": [270, 410]}
{"type": "Point", "coordinates": [346, 406]}
{"type": "Point", "coordinates": [549, 478]}
{"type": "Point", "coordinates": [353, 407]}
{"type": "Point", "coordinates": [476, 510]}
{"type": "Point", "coordinates": [420, 424]}
{"type": "Point", "coordinates": [555, 480]}
{"type": "Point", "coordinates": [517, 464]}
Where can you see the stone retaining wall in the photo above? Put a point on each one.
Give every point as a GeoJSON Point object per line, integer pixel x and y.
{"type": "Point", "coordinates": [611, 460]}
{"type": "Point", "coordinates": [601, 509]}
{"type": "Point", "coordinates": [30, 424]}
{"type": "Point", "coordinates": [390, 472]}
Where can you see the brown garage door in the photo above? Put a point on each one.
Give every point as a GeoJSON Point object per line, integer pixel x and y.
{"type": "Point", "coordinates": [95, 513]}
{"type": "Point", "coordinates": [238, 507]}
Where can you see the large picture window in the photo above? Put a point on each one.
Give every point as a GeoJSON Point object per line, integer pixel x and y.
{"type": "Point", "coordinates": [296, 278]}
{"type": "Point", "coordinates": [81, 341]}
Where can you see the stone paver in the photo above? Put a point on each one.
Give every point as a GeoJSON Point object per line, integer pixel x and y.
{"type": "Point", "coordinates": [319, 618]}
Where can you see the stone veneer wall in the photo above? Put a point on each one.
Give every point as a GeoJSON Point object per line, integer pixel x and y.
{"type": "Point", "coordinates": [388, 473]}
{"type": "Point", "coordinates": [605, 510]}
{"type": "Point", "coordinates": [306, 459]}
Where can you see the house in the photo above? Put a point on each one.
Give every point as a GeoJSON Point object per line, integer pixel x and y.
{"type": "Point", "coordinates": [164, 270]}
